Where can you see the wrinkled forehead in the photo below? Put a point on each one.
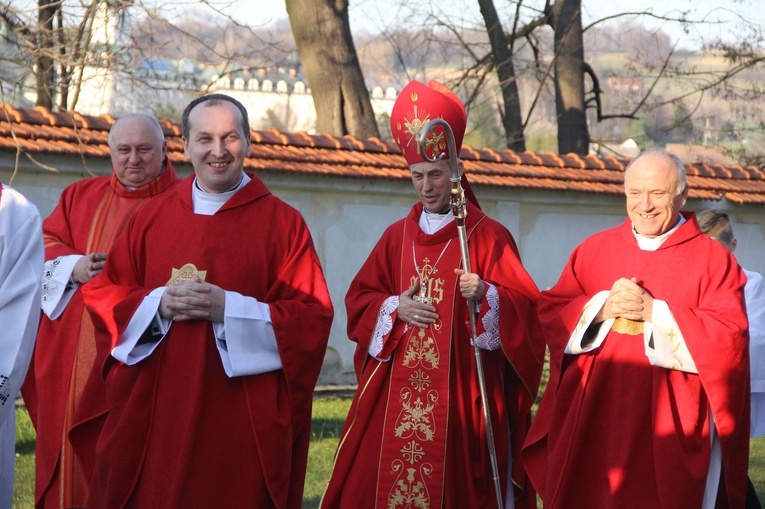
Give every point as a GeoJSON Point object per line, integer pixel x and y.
{"type": "Point", "coordinates": [426, 168]}
{"type": "Point", "coordinates": [135, 132]}
{"type": "Point", "coordinates": [653, 173]}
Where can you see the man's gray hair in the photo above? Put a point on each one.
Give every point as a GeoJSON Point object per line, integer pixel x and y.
{"type": "Point", "coordinates": [677, 164]}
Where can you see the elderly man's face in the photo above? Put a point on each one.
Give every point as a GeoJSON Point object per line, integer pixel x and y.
{"type": "Point", "coordinates": [432, 181]}
{"type": "Point", "coordinates": [217, 146]}
{"type": "Point", "coordinates": [653, 201]}
{"type": "Point", "coordinates": [137, 151]}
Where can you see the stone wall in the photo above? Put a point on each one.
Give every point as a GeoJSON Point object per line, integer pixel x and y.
{"type": "Point", "coordinates": [347, 216]}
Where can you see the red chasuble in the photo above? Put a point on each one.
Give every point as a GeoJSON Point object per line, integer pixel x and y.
{"type": "Point", "coordinates": [612, 430]}
{"type": "Point", "coordinates": [179, 432]}
{"type": "Point", "coordinates": [90, 215]}
{"type": "Point", "coordinates": [415, 436]}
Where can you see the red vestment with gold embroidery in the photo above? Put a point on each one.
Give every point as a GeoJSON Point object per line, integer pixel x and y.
{"type": "Point", "coordinates": [415, 436]}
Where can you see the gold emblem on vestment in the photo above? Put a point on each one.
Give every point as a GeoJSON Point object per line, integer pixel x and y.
{"type": "Point", "coordinates": [421, 350]}
{"type": "Point", "coordinates": [416, 417]}
{"type": "Point", "coordinates": [185, 273]}
{"type": "Point", "coordinates": [420, 380]}
{"type": "Point", "coordinates": [410, 488]}
{"type": "Point", "coordinates": [431, 290]}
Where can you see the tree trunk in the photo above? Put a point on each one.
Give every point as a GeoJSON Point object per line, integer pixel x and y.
{"type": "Point", "coordinates": [573, 135]}
{"type": "Point", "coordinates": [64, 70]}
{"type": "Point", "coordinates": [45, 77]}
{"type": "Point", "coordinates": [323, 37]}
{"type": "Point", "coordinates": [503, 62]}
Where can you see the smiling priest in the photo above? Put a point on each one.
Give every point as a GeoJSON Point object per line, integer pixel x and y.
{"type": "Point", "coordinates": [216, 307]}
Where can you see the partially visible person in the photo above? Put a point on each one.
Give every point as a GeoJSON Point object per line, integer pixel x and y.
{"type": "Point", "coordinates": [717, 224]}
{"type": "Point", "coordinates": [91, 213]}
{"type": "Point", "coordinates": [21, 262]}
{"type": "Point", "coordinates": [415, 435]}
{"type": "Point", "coordinates": [215, 308]}
{"type": "Point", "coordinates": [648, 399]}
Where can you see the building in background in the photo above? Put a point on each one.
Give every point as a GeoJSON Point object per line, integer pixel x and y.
{"type": "Point", "coordinates": [349, 190]}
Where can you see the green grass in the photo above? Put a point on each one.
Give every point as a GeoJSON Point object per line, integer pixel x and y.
{"type": "Point", "coordinates": [24, 482]}
{"type": "Point", "coordinates": [328, 417]}
{"type": "Point", "coordinates": [757, 465]}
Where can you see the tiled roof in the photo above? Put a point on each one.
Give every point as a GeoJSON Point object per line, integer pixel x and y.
{"type": "Point", "coordinates": [40, 131]}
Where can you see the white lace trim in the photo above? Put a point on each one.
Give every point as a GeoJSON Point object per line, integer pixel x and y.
{"type": "Point", "coordinates": [489, 339]}
{"type": "Point", "coordinates": [383, 327]}
{"type": "Point", "coordinates": [48, 278]}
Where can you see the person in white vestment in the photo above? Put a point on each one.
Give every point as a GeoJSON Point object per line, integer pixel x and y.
{"type": "Point", "coordinates": [717, 224]}
{"type": "Point", "coordinates": [21, 265]}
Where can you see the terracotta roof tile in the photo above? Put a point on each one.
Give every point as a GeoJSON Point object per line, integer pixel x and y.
{"type": "Point", "coordinates": [40, 131]}
{"type": "Point", "coordinates": [531, 158]}
{"type": "Point", "coordinates": [510, 156]}
{"type": "Point", "coordinates": [553, 159]}
{"type": "Point", "coordinates": [594, 162]}
{"type": "Point", "coordinates": [12, 113]}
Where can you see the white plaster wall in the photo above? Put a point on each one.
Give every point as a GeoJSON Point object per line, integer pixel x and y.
{"type": "Point", "coordinates": [347, 217]}
{"type": "Point", "coordinates": [750, 235]}
{"type": "Point", "coordinates": [553, 235]}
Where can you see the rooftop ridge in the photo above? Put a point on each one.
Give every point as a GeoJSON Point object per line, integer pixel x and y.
{"type": "Point", "coordinates": [42, 131]}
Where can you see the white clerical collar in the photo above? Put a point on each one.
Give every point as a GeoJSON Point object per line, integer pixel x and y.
{"type": "Point", "coordinates": [208, 204]}
{"type": "Point", "coordinates": [654, 243]}
{"type": "Point", "coordinates": [430, 223]}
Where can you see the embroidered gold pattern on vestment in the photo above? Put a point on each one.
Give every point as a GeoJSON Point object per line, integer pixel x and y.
{"type": "Point", "coordinates": [414, 440]}
{"type": "Point", "coordinates": [421, 349]}
{"type": "Point", "coordinates": [419, 380]}
{"type": "Point", "coordinates": [672, 336]}
{"type": "Point", "coordinates": [428, 286]}
{"type": "Point", "coordinates": [582, 320]}
{"type": "Point", "coordinates": [416, 417]}
{"type": "Point", "coordinates": [412, 452]}
{"type": "Point", "coordinates": [412, 490]}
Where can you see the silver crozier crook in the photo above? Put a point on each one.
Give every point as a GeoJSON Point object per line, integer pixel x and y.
{"type": "Point", "coordinates": [459, 209]}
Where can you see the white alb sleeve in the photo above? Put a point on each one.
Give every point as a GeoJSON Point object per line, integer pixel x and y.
{"type": "Point", "coordinates": [594, 305]}
{"type": "Point", "coordinates": [128, 350]}
{"type": "Point", "coordinates": [57, 285]}
{"type": "Point", "coordinates": [669, 348]}
{"type": "Point", "coordinates": [246, 339]}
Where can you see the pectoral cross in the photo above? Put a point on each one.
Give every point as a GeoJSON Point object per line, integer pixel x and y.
{"type": "Point", "coordinates": [423, 292]}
